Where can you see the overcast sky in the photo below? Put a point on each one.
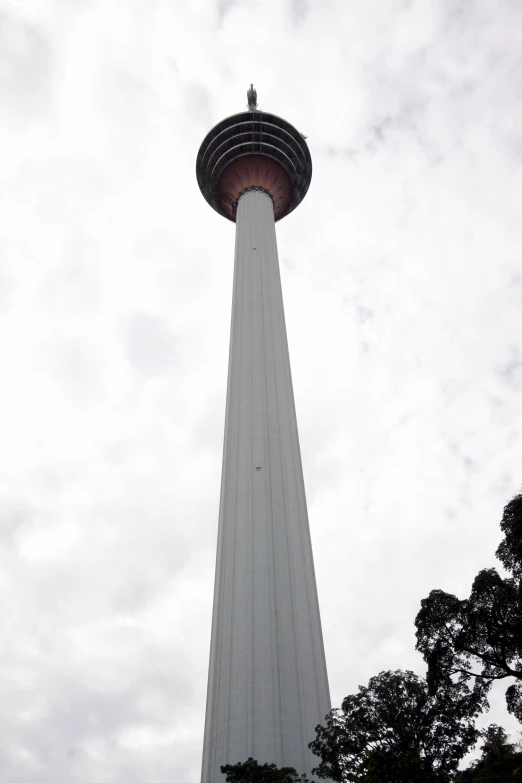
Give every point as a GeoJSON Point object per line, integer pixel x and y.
{"type": "Point", "coordinates": [402, 281]}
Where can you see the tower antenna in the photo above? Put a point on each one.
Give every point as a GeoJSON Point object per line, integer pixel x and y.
{"type": "Point", "coordinates": [252, 98]}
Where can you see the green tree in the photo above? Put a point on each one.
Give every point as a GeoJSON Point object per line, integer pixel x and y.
{"type": "Point", "coordinates": [500, 762]}
{"type": "Point", "coordinates": [251, 771]}
{"type": "Point", "coordinates": [394, 731]}
{"type": "Point", "coordinates": [396, 766]}
{"type": "Point", "coordinates": [480, 637]}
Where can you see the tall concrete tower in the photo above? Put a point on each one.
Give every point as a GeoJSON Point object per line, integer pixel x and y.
{"type": "Point", "coordinates": [267, 685]}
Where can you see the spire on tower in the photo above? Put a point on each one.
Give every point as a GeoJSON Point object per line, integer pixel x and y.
{"type": "Point", "coordinates": [252, 98]}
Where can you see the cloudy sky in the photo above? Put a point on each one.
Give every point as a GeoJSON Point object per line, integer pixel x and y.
{"type": "Point", "coordinates": [403, 292]}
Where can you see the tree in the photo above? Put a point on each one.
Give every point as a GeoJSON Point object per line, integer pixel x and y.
{"type": "Point", "coordinates": [500, 760]}
{"type": "Point", "coordinates": [480, 637]}
{"type": "Point", "coordinates": [394, 731]}
{"type": "Point", "coordinates": [396, 766]}
{"type": "Point", "coordinates": [509, 551]}
{"type": "Point", "coordinates": [251, 771]}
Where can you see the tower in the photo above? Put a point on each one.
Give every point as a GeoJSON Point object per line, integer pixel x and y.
{"type": "Point", "coordinates": [267, 685]}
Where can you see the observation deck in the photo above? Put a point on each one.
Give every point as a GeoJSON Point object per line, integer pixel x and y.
{"type": "Point", "coordinates": [254, 150]}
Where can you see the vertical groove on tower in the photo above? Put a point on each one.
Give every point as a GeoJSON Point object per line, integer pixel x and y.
{"type": "Point", "coordinates": [247, 273]}
{"type": "Point", "coordinates": [267, 686]}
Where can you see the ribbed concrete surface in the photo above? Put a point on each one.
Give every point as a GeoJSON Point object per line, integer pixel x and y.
{"type": "Point", "coordinates": [268, 686]}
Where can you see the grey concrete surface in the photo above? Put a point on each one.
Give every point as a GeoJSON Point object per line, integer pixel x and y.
{"type": "Point", "coordinates": [268, 685]}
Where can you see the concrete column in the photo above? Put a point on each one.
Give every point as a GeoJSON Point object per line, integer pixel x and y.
{"type": "Point", "coordinates": [268, 685]}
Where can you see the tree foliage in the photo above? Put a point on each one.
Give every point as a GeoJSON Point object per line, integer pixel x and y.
{"type": "Point", "coordinates": [396, 766]}
{"type": "Point", "coordinates": [480, 637]}
{"type": "Point", "coordinates": [251, 771]}
{"type": "Point", "coordinates": [510, 550]}
{"type": "Point", "coordinates": [394, 730]}
{"type": "Point", "coordinates": [500, 762]}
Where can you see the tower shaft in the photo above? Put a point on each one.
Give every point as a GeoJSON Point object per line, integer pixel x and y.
{"type": "Point", "coordinates": [268, 686]}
